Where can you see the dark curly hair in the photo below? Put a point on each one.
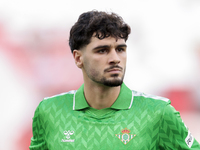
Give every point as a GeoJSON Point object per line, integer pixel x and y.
{"type": "Point", "coordinates": [101, 24]}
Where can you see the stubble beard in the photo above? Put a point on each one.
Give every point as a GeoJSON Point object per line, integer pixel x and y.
{"type": "Point", "coordinates": [113, 82]}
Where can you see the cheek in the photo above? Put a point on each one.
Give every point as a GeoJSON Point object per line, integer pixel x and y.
{"type": "Point", "coordinates": [94, 72]}
{"type": "Point", "coordinates": [94, 63]}
{"type": "Point", "coordinates": [123, 59]}
{"type": "Point", "coordinates": [91, 67]}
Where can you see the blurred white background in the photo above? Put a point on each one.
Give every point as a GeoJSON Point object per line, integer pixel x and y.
{"type": "Point", "coordinates": [35, 59]}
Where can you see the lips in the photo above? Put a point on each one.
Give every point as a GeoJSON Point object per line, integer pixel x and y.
{"type": "Point", "coordinates": [114, 69]}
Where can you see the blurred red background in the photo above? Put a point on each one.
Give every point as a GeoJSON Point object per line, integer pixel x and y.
{"type": "Point", "coordinates": [36, 62]}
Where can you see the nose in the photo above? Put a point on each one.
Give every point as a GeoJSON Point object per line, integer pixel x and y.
{"type": "Point", "coordinates": [114, 57]}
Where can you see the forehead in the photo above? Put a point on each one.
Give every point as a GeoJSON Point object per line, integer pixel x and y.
{"type": "Point", "coordinates": [110, 41]}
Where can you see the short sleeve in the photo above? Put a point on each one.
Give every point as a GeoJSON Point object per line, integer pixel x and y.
{"type": "Point", "coordinates": [174, 135]}
{"type": "Point", "coordinates": [37, 141]}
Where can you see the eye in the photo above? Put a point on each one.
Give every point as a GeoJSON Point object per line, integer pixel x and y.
{"type": "Point", "coordinates": [101, 51]}
{"type": "Point", "coordinates": [120, 49]}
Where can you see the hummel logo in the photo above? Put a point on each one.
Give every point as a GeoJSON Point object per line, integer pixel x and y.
{"type": "Point", "coordinates": [67, 136]}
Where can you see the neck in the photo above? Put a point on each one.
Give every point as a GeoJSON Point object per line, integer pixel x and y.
{"type": "Point", "coordinates": [100, 96]}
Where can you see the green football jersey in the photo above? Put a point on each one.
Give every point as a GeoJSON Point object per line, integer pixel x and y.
{"type": "Point", "coordinates": [135, 121]}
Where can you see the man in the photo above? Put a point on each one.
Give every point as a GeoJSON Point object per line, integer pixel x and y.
{"type": "Point", "coordinates": [104, 113]}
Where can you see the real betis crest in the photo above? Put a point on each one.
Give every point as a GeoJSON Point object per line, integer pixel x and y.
{"type": "Point", "coordinates": [125, 137]}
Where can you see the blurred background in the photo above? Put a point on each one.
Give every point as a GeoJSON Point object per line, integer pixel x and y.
{"type": "Point", "coordinates": [36, 62]}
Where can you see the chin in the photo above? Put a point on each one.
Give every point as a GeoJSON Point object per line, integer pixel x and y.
{"type": "Point", "coordinates": [113, 83]}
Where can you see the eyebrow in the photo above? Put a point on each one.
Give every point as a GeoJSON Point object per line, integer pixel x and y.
{"type": "Point", "coordinates": [107, 46]}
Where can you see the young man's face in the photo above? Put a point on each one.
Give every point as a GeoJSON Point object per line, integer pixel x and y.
{"type": "Point", "coordinates": [104, 61]}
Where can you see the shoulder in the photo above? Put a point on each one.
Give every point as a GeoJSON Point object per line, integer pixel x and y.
{"type": "Point", "coordinates": [59, 100]}
{"type": "Point", "coordinates": [150, 102]}
{"type": "Point", "coordinates": [60, 96]}
{"type": "Point", "coordinates": [149, 97]}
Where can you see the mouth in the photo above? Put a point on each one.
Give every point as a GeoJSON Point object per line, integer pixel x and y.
{"type": "Point", "coordinates": [114, 69]}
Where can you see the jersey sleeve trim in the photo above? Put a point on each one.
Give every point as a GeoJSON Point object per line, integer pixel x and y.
{"type": "Point", "coordinates": [136, 93]}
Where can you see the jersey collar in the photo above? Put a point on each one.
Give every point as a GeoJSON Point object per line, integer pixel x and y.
{"type": "Point", "coordinates": [124, 100]}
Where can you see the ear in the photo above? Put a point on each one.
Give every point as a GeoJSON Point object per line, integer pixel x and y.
{"type": "Point", "coordinates": [77, 54]}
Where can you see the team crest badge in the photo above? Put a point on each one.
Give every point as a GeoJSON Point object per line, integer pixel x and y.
{"type": "Point", "coordinates": [125, 137]}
